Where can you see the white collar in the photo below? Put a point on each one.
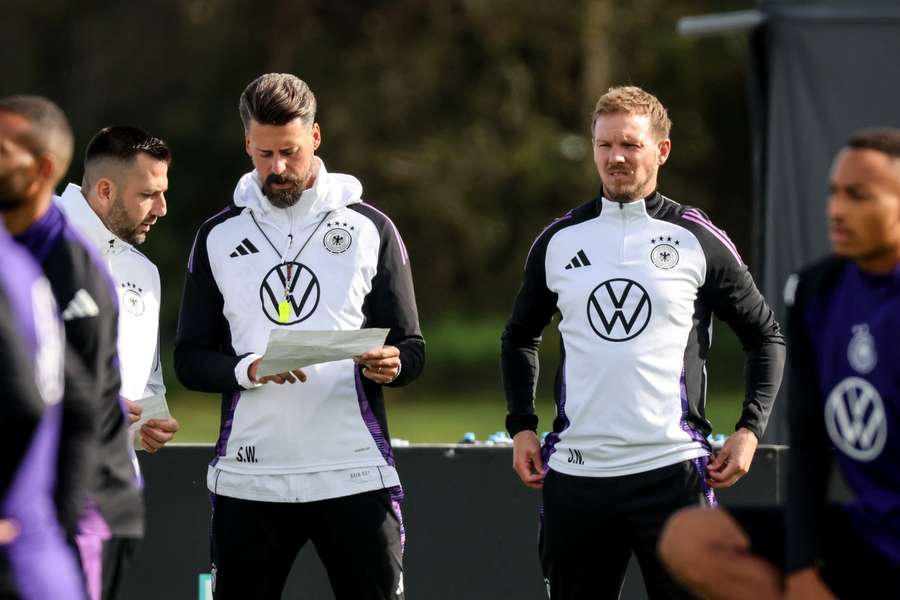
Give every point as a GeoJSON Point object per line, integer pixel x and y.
{"type": "Point", "coordinates": [82, 217]}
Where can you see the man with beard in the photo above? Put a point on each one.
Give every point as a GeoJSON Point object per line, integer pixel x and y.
{"type": "Point", "coordinates": [299, 249]}
{"type": "Point", "coordinates": [35, 426]}
{"type": "Point", "coordinates": [636, 279]}
{"type": "Point", "coordinates": [121, 197]}
{"type": "Point", "coordinates": [844, 393]}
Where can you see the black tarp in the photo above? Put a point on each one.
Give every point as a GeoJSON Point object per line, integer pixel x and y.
{"type": "Point", "coordinates": [821, 70]}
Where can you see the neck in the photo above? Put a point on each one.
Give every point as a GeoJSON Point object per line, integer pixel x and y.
{"type": "Point", "coordinates": [882, 263]}
{"type": "Point", "coordinates": [313, 173]}
{"type": "Point", "coordinates": [24, 216]}
{"type": "Point", "coordinates": [645, 196]}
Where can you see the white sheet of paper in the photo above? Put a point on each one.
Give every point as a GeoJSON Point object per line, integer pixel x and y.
{"type": "Point", "coordinates": [154, 407]}
{"type": "Point", "coordinates": [290, 349]}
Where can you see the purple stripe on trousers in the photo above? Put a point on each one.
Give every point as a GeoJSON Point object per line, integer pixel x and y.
{"type": "Point", "coordinates": [696, 217]}
{"type": "Point", "coordinates": [699, 463]}
{"type": "Point", "coordinates": [222, 444]}
{"type": "Point", "coordinates": [371, 422]}
{"type": "Point", "coordinates": [553, 437]}
{"type": "Point", "coordinates": [403, 253]}
{"type": "Point", "coordinates": [92, 532]}
{"type": "Point", "coordinates": [397, 497]}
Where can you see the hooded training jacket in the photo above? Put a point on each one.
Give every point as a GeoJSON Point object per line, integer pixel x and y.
{"type": "Point", "coordinates": [330, 262]}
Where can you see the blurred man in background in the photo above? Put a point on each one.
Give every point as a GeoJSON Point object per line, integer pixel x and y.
{"type": "Point", "coordinates": [299, 249]}
{"type": "Point", "coordinates": [843, 327]}
{"type": "Point", "coordinates": [637, 279]}
{"type": "Point", "coordinates": [35, 560]}
{"type": "Point", "coordinates": [122, 196]}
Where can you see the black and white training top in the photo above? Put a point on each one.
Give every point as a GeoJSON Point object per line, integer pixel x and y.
{"type": "Point", "coordinates": [636, 285]}
{"type": "Point", "coordinates": [330, 262]}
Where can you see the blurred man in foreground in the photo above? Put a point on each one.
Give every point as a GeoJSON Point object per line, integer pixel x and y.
{"type": "Point", "coordinates": [843, 327]}
{"type": "Point", "coordinates": [121, 197]}
{"type": "Point", "coordinates": [637, 279]}
{"type": "Point", "coordinates": [35, 561]}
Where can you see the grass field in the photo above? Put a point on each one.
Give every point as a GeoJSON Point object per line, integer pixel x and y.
{"type": "Point", "coordinates": [460, 389]}
{"type": "Point", "coordinates": [422, 418]}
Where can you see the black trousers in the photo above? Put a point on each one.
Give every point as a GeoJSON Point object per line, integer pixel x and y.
{"type": "Point", "coordinates": [851, 568]}
{"type": "Point", "coordinates": [591, 525]}
{"type": "Point", "coordinates": [358, 538]}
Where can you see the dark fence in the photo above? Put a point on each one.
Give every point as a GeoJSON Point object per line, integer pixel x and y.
{"type": "Point", "coordinates": [471, 525]}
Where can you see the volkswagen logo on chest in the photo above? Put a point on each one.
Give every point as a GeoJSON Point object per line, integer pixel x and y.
{"type": "Point", "coordinates": [289, 293]}
{"type": "Point", "coordinates": [619, 309]}
{"type": "Point", "coordinates": [855, 419]}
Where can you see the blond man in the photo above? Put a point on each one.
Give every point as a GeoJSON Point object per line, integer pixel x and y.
{"type": "Point", "coordinates": [636, 279]}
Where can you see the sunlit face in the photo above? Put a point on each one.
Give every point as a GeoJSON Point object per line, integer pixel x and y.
{"type": "Point", "coordinates": [138, 198]}
{"type": "Point", "coordinates": [283, 158]}
{"type": "Point", "coordinates": [864, 205]}
{"type": "Point", "coordinates": [628, 155]}
{"type": "Point", "coordinates": [19, 167]}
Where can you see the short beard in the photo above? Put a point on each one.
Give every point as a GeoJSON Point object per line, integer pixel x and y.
{"type": "Point", "coordinates": [285, 198]}
{"type": "Point", "coordinates": [628, 194]}
{"type": "Point", "coordinates": [118, 222]}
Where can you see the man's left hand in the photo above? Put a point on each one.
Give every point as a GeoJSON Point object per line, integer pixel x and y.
{"type": "Point", "coordinates": [733, 460]}
{"type": "Point", "coordinates": [381, 365]}
{"type": "Point", "coordinates": [156, 433]}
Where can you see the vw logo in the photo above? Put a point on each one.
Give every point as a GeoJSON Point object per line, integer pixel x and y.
{"type": "Point", "coordinates": [619, 309]}
{"type": "Point", "coordinates": [855, 419]}
{"type": "Point", "coordinates": [292, 282]}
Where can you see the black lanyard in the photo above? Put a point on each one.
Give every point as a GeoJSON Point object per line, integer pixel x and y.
{"type": "Point", "coordinates": [288, 286]}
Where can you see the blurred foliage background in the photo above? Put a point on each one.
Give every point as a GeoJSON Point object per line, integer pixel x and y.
{"type": "Point", "coordinates": [466, 120]}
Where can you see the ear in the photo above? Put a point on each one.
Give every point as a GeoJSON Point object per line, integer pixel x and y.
{"type": "Point", "coordinates": [665, 148]}
{"type": "Point", "coordinates": [105, 190]}
{"type": "Point", "coordinates": [317, 136]}
{"type": "Point", "coordinates": [247, 146]}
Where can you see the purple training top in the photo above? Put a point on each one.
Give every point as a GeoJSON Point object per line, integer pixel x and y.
{"type": "Point", "coordinates": [40, 563]}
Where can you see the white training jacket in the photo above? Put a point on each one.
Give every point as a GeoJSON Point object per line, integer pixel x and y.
{"type": "Point", "coordinates": [138, 291]}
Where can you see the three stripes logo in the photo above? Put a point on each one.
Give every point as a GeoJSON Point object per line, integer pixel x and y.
{"type": "Point", "coordinates": [244, 248]}
{"type": "Point", "coordinates": [579, 260]}
{"type": "Point", "coordinates": [619, 309]}
{"type": "Point", "coordinates": [81, 306]}
{"type": "Point", "coordinates": [293, 283]}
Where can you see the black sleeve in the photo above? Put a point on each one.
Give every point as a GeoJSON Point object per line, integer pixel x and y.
{"type": "Point", "coordinates": [732, 295]}
{"type": "Point", "coordinates": [204, 359]}
{"type": "Point", "coordinates": [21, 407]}
{"type": "Point", "coordinates": [533, 309]}
{"type": "Point", "coordinates": [809, 458]}
{"type": "Point", "coordinates": [392, 301]}
{"type": "Point", "coordinates": [91, 407]}
{"type": "Point", "coordinates": [76, 467]}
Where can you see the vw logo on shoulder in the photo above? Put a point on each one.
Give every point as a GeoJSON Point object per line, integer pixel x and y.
{"type": "Point", "coordinates": [855, 419]}
{"type": "Point", "coordinates": [301, 292]}
{"type": "Point", "coordinates": [619, 309]}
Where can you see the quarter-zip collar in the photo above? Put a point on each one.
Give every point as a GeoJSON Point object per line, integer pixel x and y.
{"type": "Point", "coordinates": [636, 209]}
{"type": "Point", "coordinates": [41, 235]}
{"type": "Point", "coordinates": [84, 219]}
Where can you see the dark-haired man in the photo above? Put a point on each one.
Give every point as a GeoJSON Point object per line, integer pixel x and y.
{"type": "Point", "coordinates": [299, 249]}
{"type": "Point", "coordinates": [843, 327]}
{"type": "Point", "coordinates": [121, 198]}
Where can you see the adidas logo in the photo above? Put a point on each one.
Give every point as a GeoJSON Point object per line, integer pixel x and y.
{"type": "Point", "coordinates": [80, 306]}
{"type": "Point", "coordinates": [244, 248]}
{"type": "Point", "coordinates": [579, 260]}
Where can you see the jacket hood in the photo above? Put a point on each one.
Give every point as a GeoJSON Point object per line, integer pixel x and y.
{"type": "Point", "coordinates": [330, 191]}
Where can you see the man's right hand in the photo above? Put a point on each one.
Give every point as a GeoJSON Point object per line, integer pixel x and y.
{"type": "Point", "coordinates": [134, 411]}
{"type": "Point", "coordinates": [527, 461]}
{"type": "Point", "coordinates": [290, 376]}
{"type": "Point", "coordinates": [807, 584]}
